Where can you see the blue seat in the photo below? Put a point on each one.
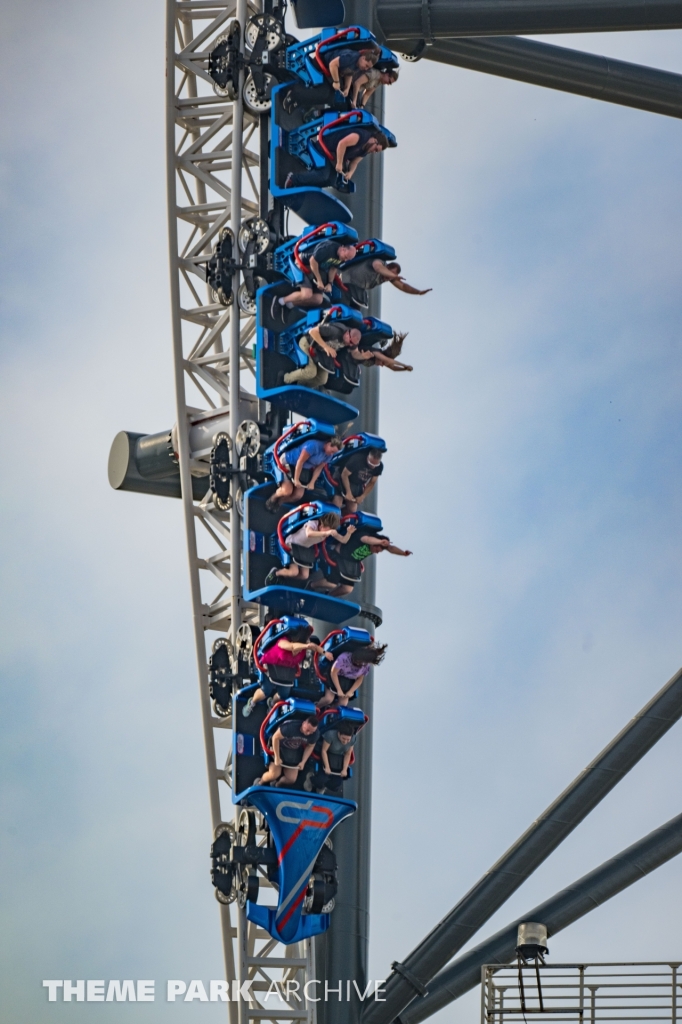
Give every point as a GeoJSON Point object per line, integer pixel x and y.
{"type": "Point", "coordinates": [333, 564]}
{"type": "Point", "coordinates": [331, 474]}
{"type": "Point", "coordinates": [340, 641]}
{"type": "Point", "coordinates": [277, 352]}
{"type": "Point", "coordinates": [261, 553]}
{"type": "Point", "coordinates": [305, 147]}
{"type": "Point", "coordinates": [353, 719]}
{"type": "Point", "coordinates": [292, 521]}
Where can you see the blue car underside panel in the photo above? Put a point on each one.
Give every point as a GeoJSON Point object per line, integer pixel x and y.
{"type": "Point", "coordinates": [299, 826]}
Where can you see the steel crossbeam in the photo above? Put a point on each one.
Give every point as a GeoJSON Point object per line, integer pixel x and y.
{"type": "Point", "coordinates": [212, 150]}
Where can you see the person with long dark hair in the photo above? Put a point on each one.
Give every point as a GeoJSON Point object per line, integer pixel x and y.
{"type": "Point", "coordinates": [348, 672]}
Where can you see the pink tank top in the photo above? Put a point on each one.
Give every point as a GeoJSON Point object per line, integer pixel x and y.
{"type": "Point", "coordinates": [278, 656]}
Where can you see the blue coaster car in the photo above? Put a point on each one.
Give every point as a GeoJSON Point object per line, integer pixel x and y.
{"type": "Point", "coordinates": [301, 683]}
{"type": "Point", "coordinates": [278, 352]}
{"type": "Point", "coordinates": [331, 474]}
{"type": "Point", "coordinates": [335, 563]}
{"type": "Point", "coordinates": [305, 430]}
{"type": "Point", "coordinates": [339, 641]}
{"type": "Point", "coordinates": [298, 861]}
{"type": "Point", "coordinates": [295, 148]}
{"type": "Point", "coordinates": [262, 553]}
{"type": "Point", "coordinates": [309, 60]}
{"type": "Point", "coordinates": [353, 719]}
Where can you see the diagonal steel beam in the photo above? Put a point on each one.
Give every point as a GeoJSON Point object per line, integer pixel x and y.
{"type": "Point", "coordinates": [556, 913]}
{"type": "Point", "coordinates": [528, 852]}
{"type": "Point", "coordinates": [439, 19]}
{"type": "Point", "coordinates": [557, 67]}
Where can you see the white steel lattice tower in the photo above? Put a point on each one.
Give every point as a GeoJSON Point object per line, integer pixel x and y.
{"type": "Point", "coordinates": [213, 183]}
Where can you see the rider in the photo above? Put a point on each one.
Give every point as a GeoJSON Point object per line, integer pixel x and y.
{"type": "Point", "coordinates": [348, 672]}
{"type": "Point", "coordinates": [359, 278]}
{"type": "Point", "coordinates": [292, 745]}
{"type": "Point", "coordinates": [323, 263]}
{"type": "Point", "coordinates": [320, 344]}
{"type": "Point", "coordinates": [366, 83]}
{"type": "Point", "coordinates": [347, 64]}
{"type": "Point", "coordinates": [337, 744]}
{"type": "Point", "coordinates": [360, 546]}
{"type": "Point", "coordinates": [315, 531]}
{"type": "Point", "coordinates": [311, 455]}
{"type": "Point", "coordinates": [288, 652]}
{"type": "Point", "coordinates": [348, 147]}
{"type": "Point", "coordinates": [357, 478]}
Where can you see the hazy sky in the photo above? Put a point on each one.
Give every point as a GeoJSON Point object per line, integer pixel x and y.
{"type": "Point", "coordinates": [533, 467]}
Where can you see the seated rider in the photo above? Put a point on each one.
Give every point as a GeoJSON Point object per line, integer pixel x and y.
{"type": "Point", "coordinates": [348, 672]}
{"type": "Point", "coordinates": [366, 83]}
{"type": "Point", "coordinates": [360, 546]}
{"type": "Point", "coordinates": [347, 63]}
{"type": "Point", "coordinates": [311, 455]}
{"type": "Point", "coordinates": [359, 278]}
{"type": "Point", "coordinates": [357, 478]}
{"type": "Point", "coordinates": [336, 754]}
{"type": "Point", "coordinates": [383, 356]}
{"type": "Point", "coordinates": [315, 531]}
{"type": "Point", "coordinates": [348, 147]}
{"type": "Point", "coordinates": [288, 653]}
{"type": "Point", "coordinates": [323, 261]}
{"type": "Point", "coordinates": [321, 344]}
{"type": "Point", "coordinates": [343, 68]}
{"type": "Point", "coordinates": [292, 745]}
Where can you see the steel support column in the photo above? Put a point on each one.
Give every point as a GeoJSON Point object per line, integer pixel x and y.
{"type": "Point", "coordinates": [528, 852]}
{"type": "Point", "coordinates": [342, 954]}
{"type": "Point", "coordinates": [557, 67]}
{"type": "Point", "coordinates": [439, 19]}
{"type": "Point", "coordinates": [556, 913]}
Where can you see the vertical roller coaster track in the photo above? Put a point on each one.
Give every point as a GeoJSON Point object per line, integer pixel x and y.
{"type": "Point", "coordinates": [221, 174]}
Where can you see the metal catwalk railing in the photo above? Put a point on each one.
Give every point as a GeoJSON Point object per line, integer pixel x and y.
{"type": "Point", "coordinates": [584, 993]}
{"type": "Point", "coordinates": [213, 158]}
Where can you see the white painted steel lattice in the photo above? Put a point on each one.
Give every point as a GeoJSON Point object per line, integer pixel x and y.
{"type": "Point", "coordinates": [589, 993]}
{"type": "Point", "coordinates": [213, 183]}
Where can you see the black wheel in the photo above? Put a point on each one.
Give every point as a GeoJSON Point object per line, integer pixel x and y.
{"type": "Point", "coordinates": [224, 828]}
{"type": "Point", "coordinates": [257, 230]}
{"type": "Point", "coordinates": [245, 300]}
{"type": "Point", "coordinates": [225, 898]}
{"type": "Point", "coordinates": [274, 33]}
{"type": "Point", "coordinates": [248, 890]}
{"type": "Point", "coordinates": [219, 473]}
{"type": "Point", "coordinates": [244, 642]}
{"type": "Point", "coordinates": [252, 101]}
{"type": "Point", "coordinates": [315, 896]}
{"type": "Point", "coordinates": [221, 712]}
{"type": "Point", "coordinates": [248, 439]}
{"type": "Point", "coordinates": [246, 829]}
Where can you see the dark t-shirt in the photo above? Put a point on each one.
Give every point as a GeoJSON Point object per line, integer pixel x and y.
{"type": "Point", "coordinates": [332, 333]}
{"type": "Point", "coordinates": [326, 254]}
{"type": "Point", "coordinates": [348, 61]}
{"type": "Point", "coordinates": [356, 549]}
{"type": "Point", "coordinates": [361, 472]}
{"type": "Point", "coordinates": [332, 139]}
{"type": "Point", "coordinates": [293, 738]}
{"type": "Point", "coordinates": [362, 275]}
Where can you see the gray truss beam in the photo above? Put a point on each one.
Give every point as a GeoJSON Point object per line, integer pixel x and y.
{"type": "Point", "coordinates": [528, 852]}
{"type": "Point", "coordinates": [440, 19]}
{"type": "Point", "coordinates": [556, 67]}
{"type": "Point", "coordinates": [556, 913]}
